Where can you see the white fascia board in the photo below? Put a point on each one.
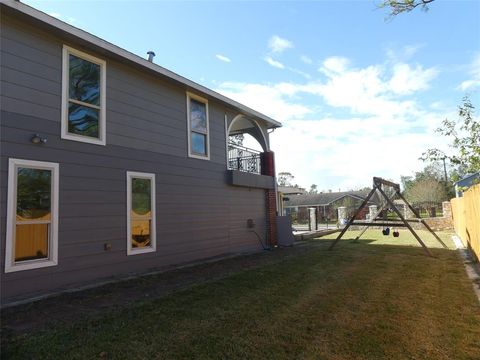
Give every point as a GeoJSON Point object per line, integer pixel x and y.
{"type": "Point", "coordinates": [83, 35]}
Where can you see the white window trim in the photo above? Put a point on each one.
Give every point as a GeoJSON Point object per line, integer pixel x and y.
{"type": "Point", "coordinates": [52, 260]}
{"type": "Point", "coordinates": [65, 97]}
{"type": "Point", "coordinates": [153, 247]}
{"type": "Point", "coordinates": [207, 137]}
{"type": "Point", "coordinates": [226, 128]}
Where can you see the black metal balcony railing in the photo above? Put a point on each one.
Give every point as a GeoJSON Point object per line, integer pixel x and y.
{"type": "Point", "coordinates": [243, 159]}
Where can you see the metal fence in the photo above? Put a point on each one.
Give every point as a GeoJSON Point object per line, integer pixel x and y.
{"type": "Point", "coordinates": [243, 159]}
{"type": "Point", "coordinates": [428, 209]}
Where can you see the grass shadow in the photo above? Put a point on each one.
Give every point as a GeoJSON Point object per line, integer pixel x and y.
{"type": "Point", "coordinates": [372, 300]}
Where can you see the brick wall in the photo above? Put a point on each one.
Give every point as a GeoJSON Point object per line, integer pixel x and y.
{"type": "Point", "coordinates": [268, 168]}
{"type": "Point", "coordinates": [439, 223]}
{"type": "Point", "coordinates": [271, 217]}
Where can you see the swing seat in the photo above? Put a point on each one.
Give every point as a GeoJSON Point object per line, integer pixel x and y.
{"type": "Point", "coordinates": [396, 234]}
{"type": "Point", "coordinates": [386, 231]}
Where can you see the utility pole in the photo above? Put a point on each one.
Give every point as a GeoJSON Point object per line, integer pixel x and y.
{"type": "Point", "coordinates": [445, 169]}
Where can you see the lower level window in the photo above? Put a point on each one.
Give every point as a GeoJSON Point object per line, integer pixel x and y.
{"type": "Point", "coordinates": [141, 235]}
{"type": "Point", "coordinates": [32, 215]}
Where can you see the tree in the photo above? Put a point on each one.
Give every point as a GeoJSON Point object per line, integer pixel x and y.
{"type": "Point", "coordinates": [464, 137]}
{"type": "Point", "coordinates": [426, 186]}
{"type": "Point", "coordinates": [236, 139]}
{"type": "Point", "coordinates": [313, 189]}
{"type": "Point", "coordinates": [431, 171]}
{"type": "Point", "coordinates": [402, 6]}
{"type": "Point", "coordinates": [426, 191]}
{"type": "Point", "coordinates": [285, 178]}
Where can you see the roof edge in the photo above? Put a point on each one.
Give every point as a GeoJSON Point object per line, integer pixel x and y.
{"type": "Point", "coordinates": [467, 177]}
{"type": "Point", "coordinates": [114, 49]}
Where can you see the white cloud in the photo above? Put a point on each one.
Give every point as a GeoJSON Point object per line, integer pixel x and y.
{"type": "Point", "coordinates": [306, 59]}
{"type": "Point", "coordinates": [405, 53]}
{"type": "Point", "coordinates": [362, 91]}
{"type": "Point", "coordinates": [223, 58]}
{"type": "Point", "coordinates": [384, 135]}
{"type": "Point", "coordinates": [277, 44]}
{"type": "Point", "coordinates": [274, 63]}
{"type": "Point", "coordinates": [334, 64]}
{"type": "Point", "coordinates": [475, 75]}
{"type": "Point", "coordinates": [272, 100]}
{"type": "Point", "coordinates": [67, 19]}
{"type": "Point", "coordinates": [406, 80]}
{"type": "Point", "coordinates": [369, 90]}
{"type": "Point", "coordinates": [299, 72]}
{"type": "Point", "coordinates": [349, 152]}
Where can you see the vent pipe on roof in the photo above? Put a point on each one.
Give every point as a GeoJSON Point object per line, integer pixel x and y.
{"type": "Point", "coordinates": [151, 55]}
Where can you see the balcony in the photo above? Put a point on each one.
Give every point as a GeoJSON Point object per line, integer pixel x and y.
{"type": "Point", "coordinates": [245, 168]}
{"type": "Point", "coordinates": [244, 159]}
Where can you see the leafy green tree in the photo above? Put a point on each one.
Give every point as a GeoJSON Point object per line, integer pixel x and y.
{"type": "Point", "coordinates": [464, 136]}
{"type": "Point", "coordinates": [313, 189]}
{"type": "Point", "coordinates": [403, 6]}
{"type": "Point", "coordinates": [285, 179]}
{"type": "Point", "coordinates": [431, 171]}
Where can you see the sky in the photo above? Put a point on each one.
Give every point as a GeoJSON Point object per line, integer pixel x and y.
{"type": "Point", "coordinates": [358, 94]}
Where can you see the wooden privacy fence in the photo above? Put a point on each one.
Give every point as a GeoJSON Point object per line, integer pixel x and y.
{"type": "Point", "coordinates": [466, 218]}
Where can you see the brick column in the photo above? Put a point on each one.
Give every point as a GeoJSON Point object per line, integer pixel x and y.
{"type": "Point", "coordinates": [372, 211]}
{"type": "Point", "coordinates": [342, 216]}
{"type": "Point", "coordinates": [447, 210]}
{"type": "Point", "coordinates": [268, 168]}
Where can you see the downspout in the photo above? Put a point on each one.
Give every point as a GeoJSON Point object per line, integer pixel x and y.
{"type": "Point", "coordinates": [277, 208]}
{"type": "Point", "coordinates": [276, 191]}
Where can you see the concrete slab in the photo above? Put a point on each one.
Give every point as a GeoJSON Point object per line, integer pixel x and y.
{"type": "Point", "coordinates": [471, 267]}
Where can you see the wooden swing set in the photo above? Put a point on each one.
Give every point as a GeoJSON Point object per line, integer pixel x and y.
{"type": "Point", "coordinates": [379, 185]}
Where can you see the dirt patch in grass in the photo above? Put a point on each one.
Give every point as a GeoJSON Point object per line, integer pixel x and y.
{"type": "Point", "coordinates": [376, 299]}
{"type": "Point", "coordinates": [67, 307]}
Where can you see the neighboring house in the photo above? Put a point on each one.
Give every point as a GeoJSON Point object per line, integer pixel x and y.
{"type": "Point", "coordinates": [283, 193]}
{"type": "Point", "coordinates": [465, 183]}
{"type": "Point", "coordinates": [112, 165]}
{"type": "Point", "coordinates": [291, 190]}
{"type": "Point", "coordinates": [326, 204]}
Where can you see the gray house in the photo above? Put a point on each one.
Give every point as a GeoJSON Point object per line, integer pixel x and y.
{"type": "Point", "coordinates": [465, 183]}
{"type": "Point", "coordinates": [112, 165]}
{"type": "Point", "coordinates": [326, 204]}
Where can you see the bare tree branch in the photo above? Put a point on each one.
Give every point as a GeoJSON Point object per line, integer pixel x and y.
{"type": "Point", "coordinates": [401, 6]}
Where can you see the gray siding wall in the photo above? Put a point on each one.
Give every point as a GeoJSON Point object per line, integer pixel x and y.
{"type": "Point", "coordinates": [198, 214]}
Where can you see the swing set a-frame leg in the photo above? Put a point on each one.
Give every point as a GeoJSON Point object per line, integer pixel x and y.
{"type": "Point", "coordinates": [370, 194]}
{"type": "Point", "coordinates": [377, 185]}
{"type": "Point", "coordinates": [392, 205]}
{"type": "Point", "coordinates": [412, 209]}
{"type": "Point", "coordinates": [366, 227]}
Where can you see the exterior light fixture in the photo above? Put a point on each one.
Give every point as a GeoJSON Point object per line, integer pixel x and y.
{"type": "Point", "coordinates": [36, 139]}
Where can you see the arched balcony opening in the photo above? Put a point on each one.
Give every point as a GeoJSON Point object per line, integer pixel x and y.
{"type": "Point", "coordinates": [246, 141]}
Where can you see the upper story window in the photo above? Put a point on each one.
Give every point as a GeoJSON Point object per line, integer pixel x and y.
{"type": "Point", "coordinates": [32, 215]}
{"type": "Point", "coordinates": [83, 97]}
{"type": "Point", "coordinates": [197, 119]}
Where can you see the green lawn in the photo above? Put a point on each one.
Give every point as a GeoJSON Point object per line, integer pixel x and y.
{"type": "Point", "coordinates": [380, 298]}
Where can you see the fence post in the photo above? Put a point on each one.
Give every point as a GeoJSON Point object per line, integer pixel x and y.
{"type": "Point", "coordinates": [372, 211]}
{"type": "Point", "coordinates": [312, 219]}
{"type": "Point", "coordinates": [342, 216]}
{"type": "Point", "coordinates": [447, 210]}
